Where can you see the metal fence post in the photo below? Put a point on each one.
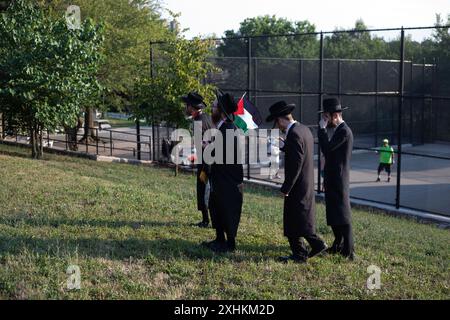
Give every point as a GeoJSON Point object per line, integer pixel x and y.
{"type": "Point", "coordinates": [110, 143]}
{"type": "Point", "coordinates": [255, 80]}
{"type": "Point", "coordinates": [411, 105]}
{"type": "Point", "coordinates": [376, 102]}
{"type": "Point", "coordinates": [301, 91]}
{"type": "Point", "coordinates": [138, 138]}
{"type": "Point", "coordinates": [423, 102]}
{"type": "Point", "coordinates": [400, 110]}
{"type": "Point", "coordinates": [87, 142]}
{"type": "Point", "coordinates": [432, 93]}
{"type": "Point", "coordinates": [249, 61]}
{"type": "Point", "coordinates": [3, 127]}
{"type": "Point", "coordinates": [339, 77]}
{"type": "Point", "coordinates": [319, 109]}
{"type": "Point", "coordinates": [149, 148]}
{"type": "Point", "coordinates": [96, 141]}
{"type": "Point", "coordinates": [153, 113]}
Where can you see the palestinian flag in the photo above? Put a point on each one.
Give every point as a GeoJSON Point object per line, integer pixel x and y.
{"type": "Point", "coordinates": [247, 116]}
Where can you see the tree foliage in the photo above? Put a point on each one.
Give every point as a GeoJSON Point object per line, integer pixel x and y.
{"type": "Point", "coordinates": [235, 44]}
{"type": "Point", "coordinates": [129, 28]}
{"type": "Point", "coordinates": [47, 70]}
{"type": "Point", "coordinates": [180, 66]}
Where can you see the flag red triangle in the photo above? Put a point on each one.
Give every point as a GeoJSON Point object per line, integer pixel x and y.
{"type": "Point", "coordinates": [240, 109]}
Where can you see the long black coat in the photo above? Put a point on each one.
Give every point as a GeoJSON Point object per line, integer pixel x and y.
{"type": "Point", "coordinates": [299, 205]}
{"type": "Point", "coordinates": [226, 197]}
{"type": "Point", "coordinates": [338, 153]}
{"type": "Point", "coordinates": [206, 125]}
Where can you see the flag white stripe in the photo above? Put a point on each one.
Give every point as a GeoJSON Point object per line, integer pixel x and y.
{"type": "Point", "coordinates": [247, 117]}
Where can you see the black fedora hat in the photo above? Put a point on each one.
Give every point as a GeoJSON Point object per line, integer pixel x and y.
{"type": "Point", "coordinates": [194, 99]}
{"type": "Point", "coordinates": [279, 109]}
{"type": "Point", "coordinates": [226, 102]}
{"type": "Point", "coordinates": [332, 105]}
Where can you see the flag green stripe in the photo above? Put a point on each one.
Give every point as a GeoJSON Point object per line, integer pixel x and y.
{"type": "Point", "coordinates": [240, 123]}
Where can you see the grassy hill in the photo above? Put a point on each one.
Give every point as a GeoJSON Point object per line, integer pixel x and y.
{"type": "Point", "coordinates": [129, 229]}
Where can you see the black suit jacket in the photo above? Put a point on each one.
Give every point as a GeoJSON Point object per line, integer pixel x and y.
{"type": "Point", "coordinates": [226, 197]}
{"type": "Point", "coordinates": [206, 125]}
{"type": "Point", "coordinates": [201, 187]}
{"type": "Point", "coordinates": [338, 153]}
{"type": "Point", "coordinates": [299, 205]}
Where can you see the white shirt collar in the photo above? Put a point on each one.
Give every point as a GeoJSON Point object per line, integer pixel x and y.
{"type": "Point", "coordinates": [339, 124]}
{"type": "Point", "coordinates": [290, 126]}
{"type": "Point", "coordinates": [331, 131]}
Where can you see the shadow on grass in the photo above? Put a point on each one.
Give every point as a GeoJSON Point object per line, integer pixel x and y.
{"type": "Point", "coordinates": [63, 221]}
{"type": "Point", "coordinates": [17, 154]}
{"type": "Point", "coordinates": [118, 249]}
{"type": "Point", "coordinates": [154, 249]}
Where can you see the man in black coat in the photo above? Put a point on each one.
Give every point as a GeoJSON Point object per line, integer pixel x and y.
{"type": "Point", "coordinates": [298, 188]}
{"type": "Point", "coordinates": [226, 179]}
{"type": "Point", "coordinates": [336, 143]}
{"type": "Point", "coordinates": [194, 111]}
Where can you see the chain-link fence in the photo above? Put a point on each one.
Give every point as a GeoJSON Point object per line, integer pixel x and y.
{"type": "Point", "coordinates": [396, 88]}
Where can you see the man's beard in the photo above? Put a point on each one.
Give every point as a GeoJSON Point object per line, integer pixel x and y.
{"type": "Point", "coordinates": [330, 125]}
{"type": "Point", "coordinates": [216, 117]}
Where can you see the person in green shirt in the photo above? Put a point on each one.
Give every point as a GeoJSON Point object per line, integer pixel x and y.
{"type": "Point", "coordinates": [386, 159]}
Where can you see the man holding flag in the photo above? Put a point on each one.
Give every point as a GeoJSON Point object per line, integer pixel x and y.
{"type": "Point", "coordinates": [226, 178]}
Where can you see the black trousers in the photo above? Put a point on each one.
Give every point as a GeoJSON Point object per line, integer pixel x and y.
{"type": "Point", "coordinates": [343, 239]}
{"type": "Point", "coordinates": [201, 188]}
{"type": "Point", "coordinates": [298, 246]}
{"type": "Point", "coordinates": [384, 166]}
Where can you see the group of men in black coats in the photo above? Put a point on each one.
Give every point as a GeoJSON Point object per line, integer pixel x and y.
{"type": "Point", "coordinates": [226, 179]}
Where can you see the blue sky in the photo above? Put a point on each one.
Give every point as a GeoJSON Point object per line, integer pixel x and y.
{"type": "Point", "coordinates": [206, 17]}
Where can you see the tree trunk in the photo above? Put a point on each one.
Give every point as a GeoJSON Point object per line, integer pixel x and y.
{"type": "Point", "coordinates": [37, 146]}
{"type": "Point", "coordinates": [41, 144]}
{"type": "Point", "coordinates": [2, 127]}
{"type": "Point", "coordinates": [34, 153]}
{"type": "Point", "coordinates": [88, 125]}
{"type": "Point", "coordinates": [72, 138]}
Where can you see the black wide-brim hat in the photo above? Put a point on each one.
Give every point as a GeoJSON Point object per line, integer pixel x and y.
{"type": "Point", "coordinates": [279, 109]}
{"type": "Point", "coordinates": [194, 99]}
{"type": "Point", "coordinates": [226, 102]}
{"type": "Point", "coordinates": [332, 105]}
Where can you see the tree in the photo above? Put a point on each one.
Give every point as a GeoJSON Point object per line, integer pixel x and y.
{"type": "Point", "coordinates": [357, 45]}
{"type": "Point", "coordinates": [129, 28]}
{"type": "Point", "coordinates": [48, 71]}
{"type": "Point", "coordinates": [305, 46]}
{"type": "Point", "coordinates": [180, 66]}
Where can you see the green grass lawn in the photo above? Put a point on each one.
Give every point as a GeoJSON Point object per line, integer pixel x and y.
{"type": "Point", "coordinates": [129, 229]}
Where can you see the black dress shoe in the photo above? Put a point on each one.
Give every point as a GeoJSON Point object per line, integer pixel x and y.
{"type": "Point", "coordinates": [350, 256]}
{"type": "Point", "coordinates": [203, 224]}
{"type": "Point", "coordinates": [220, 247]}
{"type": "Point", "coordinates": [333, 250]}
{"type": "Point", "coordinates": [209, 244]}
{"type": "Point", "coordinates": [317, 251]}
{"type": "Point", "coordinates": [295, 259]}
